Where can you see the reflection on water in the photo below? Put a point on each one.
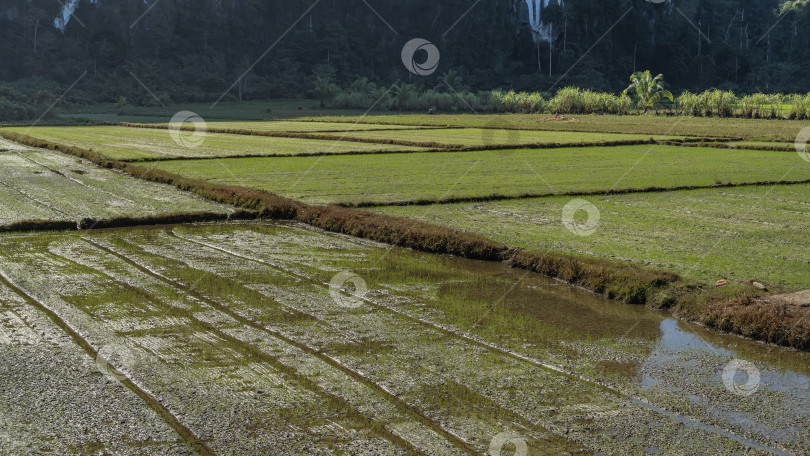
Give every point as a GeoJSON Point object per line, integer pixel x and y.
{"type": "Point", "coordinates": [674, 366]}
{"type": "Point", "coordinates": [685, 363]}
{"type": "Point", "coordinates": [676, 343]}
{"type": "Point", "coordinates": [671, 347]}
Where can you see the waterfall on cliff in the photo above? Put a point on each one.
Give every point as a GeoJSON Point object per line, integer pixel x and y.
{"type": "Point", "coordinates": [68, 8]}
{"type": "Point", "coordinates": [542, 31]}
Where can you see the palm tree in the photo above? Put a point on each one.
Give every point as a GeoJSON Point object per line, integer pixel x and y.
{"type": "Point", "coordinates": [380, 95]}
{"type": "Point", "coordinates": [648, 90]}
{"type": "Point", "coordinates": [403, 94]}
{"type": "Point", "coordinates": [325, 89]}
{"type": "Point", "coordinates": [451, 81]}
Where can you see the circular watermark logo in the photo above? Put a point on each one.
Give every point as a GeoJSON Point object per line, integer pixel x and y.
{"type": "Point", "coordinates": [751, 384]}
{"type": "Point", "coordinates": [502, 441]}
{"type": "Point", "coordinates": [430, 64]}
{"type": "Point", "coordinates": [586, 228]}
{"type": "Point", "coordinates": [111, 359]}
{"type": "Point", "coordinates": [185, 137]}
{"type": "Point", "coordinates": [499, 133]}
{"type": "Point", "coordinates": [801, 144]}
{"type": "Point", "coordinates": [347, 289]}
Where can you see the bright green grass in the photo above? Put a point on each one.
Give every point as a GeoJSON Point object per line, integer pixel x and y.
{"type": "Point", "coordinates": [775, 144]}
{"type": "Point", "coordinates": [486, 137]}
{"type": "Point", "coordinates": [127, 143]}
{"type": "Point", "coordinates": [738, 233]}
{"type": "Point", "coordinates": [440, 175]}
{"type": "Point", "coordinates": [749, 129]}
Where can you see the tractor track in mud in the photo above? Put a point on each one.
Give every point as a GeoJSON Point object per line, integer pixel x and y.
{"type": "Point", "coordinates": [186, 434]}
{"type": "Point", "coordinates": [408, 409]}
{"type": "Point", "coordinates": [41, 203]}
{"type": "Point", "coordinates": [476, 341]}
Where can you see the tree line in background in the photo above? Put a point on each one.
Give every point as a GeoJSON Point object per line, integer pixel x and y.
{"type": "Point", "coordinates": [573, 100]}
{"type": "Point", "coordinates": [195, 50]}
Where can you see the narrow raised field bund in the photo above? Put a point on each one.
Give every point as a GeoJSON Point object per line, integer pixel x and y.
{"type": "Point", "coordinates": [618, 280]}
{"type": "Point", "coordinates": [240, 336]}
{"type": "Point", "coordinates": [424, 178]}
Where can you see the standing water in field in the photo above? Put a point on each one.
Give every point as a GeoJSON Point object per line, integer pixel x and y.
{"type": "Point", "coordinates": [292, 340]}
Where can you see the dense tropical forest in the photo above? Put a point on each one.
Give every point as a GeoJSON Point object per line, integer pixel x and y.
{"type": "Point", "coordinates": [194, 50]}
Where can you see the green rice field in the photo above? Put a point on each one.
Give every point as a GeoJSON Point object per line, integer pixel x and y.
{"type": "Point", "coordinates": [125, 143]}
{"type": "Point", "coordinates": [412, 177]}
{"type": "Point", "coordinates": [705, 234]}
{"type": "Point", "coordinates": [748, 129]}
{"type": "Point", "coordinates": [319, 333]}
{"type": "Point", "coordinates": [500, 137]}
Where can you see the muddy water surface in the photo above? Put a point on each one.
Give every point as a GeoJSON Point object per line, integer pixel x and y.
{"type": "Point", "coordinates": [256, 338]}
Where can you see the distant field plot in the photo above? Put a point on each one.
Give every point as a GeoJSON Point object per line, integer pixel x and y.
{"type": "Point", "coordinates": [293, 126]}
{"type": "Point", "coordinates": [739, 233]}
{"type": "Point", "coordinates": [43, 185]}
{"type": "Point", "coordinates": [489, 137]}
{"type": "Point", "coordinates": [247, 338]}
{"type": "Point", "coordinates": [749, 129]}
{"type": "Point", "coordinates": [226, 110]}
{"type": "Point", "coordinates": [125, 143]}
{"type": "Point", "coordinates": [437, 176]}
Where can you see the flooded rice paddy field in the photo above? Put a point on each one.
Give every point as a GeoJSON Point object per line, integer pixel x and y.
{"type": "Point", "coordinates": [276, 338]}
{"type": "Point", "coordinates": [38, 184]}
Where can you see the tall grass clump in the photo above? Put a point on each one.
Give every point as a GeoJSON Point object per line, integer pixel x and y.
{"type": "Point", "coordinates": [752, 106]}
{"type": "Point", "coordinates": [776, 102]}
{"type": "Point", "coordinates": [801, 106]}
{"type": "Point", "coordinates": [573, 100]}
{"type": "Point", "coordinates": [644, 94]}
{"type": "Point", "coordinates": [690, 104]}
{"type": "Point", "coordinates": [517, 102]}
{"type": "Point", "coordinates": [719, 103]}
{"type": "Point", "coordinates": [711, 103]}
